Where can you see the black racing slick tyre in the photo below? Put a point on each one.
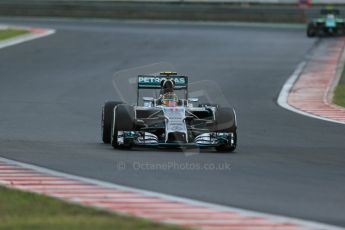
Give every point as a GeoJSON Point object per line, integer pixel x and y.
{"type": "Point", "coordinates": [124, 120]}
{"type": "Point", "coordinates": [107, 120]}
{"type": "Point", "coordinates": [311, 30]}
{"type": "Point", "coordinates": [226, 122]}
{"type": "Point", "coordinates": [226, 148]}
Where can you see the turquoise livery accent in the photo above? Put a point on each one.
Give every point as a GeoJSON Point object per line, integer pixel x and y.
{"type": "Point", "coordinates": [330, 22]}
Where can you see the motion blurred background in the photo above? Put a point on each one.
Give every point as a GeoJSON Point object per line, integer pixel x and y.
{"type": "Point", "coordinates": [286, 11]}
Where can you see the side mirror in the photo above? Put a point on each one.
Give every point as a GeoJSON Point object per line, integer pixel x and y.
{"type": "Point", "coordinates": [193, 99]}
{"type": "Point", "coordinates": [140, 123]}
{"type": "Point", "coordinates": [148, 101]}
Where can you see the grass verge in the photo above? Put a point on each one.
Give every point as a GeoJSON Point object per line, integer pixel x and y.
{"type": "Point", "coordinates": [339, 93]}
{"type": "Point", "coordinates": [10, 33]}
{"type": "Point", "coordinates": [23, 210]}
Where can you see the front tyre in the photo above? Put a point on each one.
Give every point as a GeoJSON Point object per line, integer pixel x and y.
{"type": "Point", "coordinates": [228, 147]}
{"type": "Point", "coordinates": [124, 120]}
{"type": "Point", "coordinates": [311, 30]}
{"type": "Point", "coordinates": [226, 122]}
{"type": "Point", "coordinates": [107, 120]}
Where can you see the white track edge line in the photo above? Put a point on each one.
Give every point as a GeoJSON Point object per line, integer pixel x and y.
{"type": "Point", "coordinates": [305, 223]}
{"type": "Point", "coordinates": [284, 94]}
{"type": "Point", "coordinates": [25, 38]}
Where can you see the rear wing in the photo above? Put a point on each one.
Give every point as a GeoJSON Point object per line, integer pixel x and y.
{"type": "Point", "coordinates": [154, 82]}
{"type": "Point", "coordinates": [330, 11]}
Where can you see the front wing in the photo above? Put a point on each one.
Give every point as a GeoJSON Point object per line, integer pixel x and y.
{"type": "Point", "coordinates": [146, 139]}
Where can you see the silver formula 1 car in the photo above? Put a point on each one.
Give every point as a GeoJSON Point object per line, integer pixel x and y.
{"type": "Point", "coordinates": [170, 119]}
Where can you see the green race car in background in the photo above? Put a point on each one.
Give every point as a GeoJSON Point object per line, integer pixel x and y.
{"type": "Point", "coordinates": [329, 23]}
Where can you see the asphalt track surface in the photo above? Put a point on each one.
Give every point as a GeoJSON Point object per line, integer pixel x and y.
{"type": "Point", "coordinates": [52, 89]}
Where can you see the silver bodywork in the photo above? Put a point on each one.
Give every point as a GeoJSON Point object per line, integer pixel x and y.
{"type": "Point", "coordinates": [175, 122]}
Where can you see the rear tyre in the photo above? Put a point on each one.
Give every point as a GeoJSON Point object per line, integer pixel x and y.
{"type": "Point", "coordinates": [107, 120]}
{"type": "Point", "coordinates": [311, 30]}
{"type": "Point", "coordinates": [124, 120]}
{"type": "Point", "coordinates": [226, 122]}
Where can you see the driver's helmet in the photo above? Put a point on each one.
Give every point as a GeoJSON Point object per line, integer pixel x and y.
{"type": "Point", "coordinates": [169, 99]}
